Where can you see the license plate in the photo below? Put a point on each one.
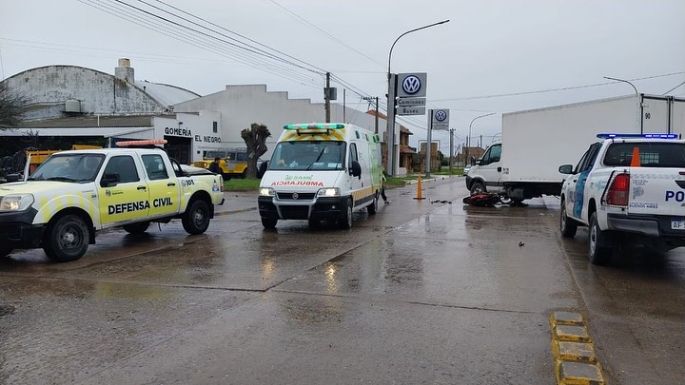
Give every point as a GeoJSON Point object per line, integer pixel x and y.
{"type": "Point", "coordinates": [678, 224]}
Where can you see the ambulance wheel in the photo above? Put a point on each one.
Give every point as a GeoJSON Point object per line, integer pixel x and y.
{"type": "Point", "coordinates": [373, 208]}
{"type": "Point", "coordinates": [5, 251]}
{"type": "Point", "coordinates": [137, 228]}
{"type": "Point", "coordinates": [66, 239]}
{"type": "Point", "coordinates": [477, 187]}
{"type": "Point", "coordinates": [269, 222]}
{"type": "Point", "coordinates": [345, 222]}
{"type": "Point", "coordinates": [598, 243]}
{"type": "Point", "coordinates": [196, 218]}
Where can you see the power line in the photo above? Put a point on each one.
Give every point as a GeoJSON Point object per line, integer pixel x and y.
{"type": "Point", "coordinates": [330, 36]}
{"type": "Point", "coordinates": [197, 41]}
{"type": "Point", "coordinates": [551, 89]}
{"type": "Point", "coordinates": [675, 88]}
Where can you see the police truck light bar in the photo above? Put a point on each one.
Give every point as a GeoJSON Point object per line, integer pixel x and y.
{"type": "Point", "coordinates": [314, 126]}
{"type": "Point", "coordinates": [638, 136]}
{"type": "Point", "coordinates": [142, 143]}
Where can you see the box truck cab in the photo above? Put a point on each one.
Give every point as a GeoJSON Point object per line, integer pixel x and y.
{"type": "Point", "coordinates": [321, 171]}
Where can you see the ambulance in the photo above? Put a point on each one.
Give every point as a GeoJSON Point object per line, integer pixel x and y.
{"type": "Point", "coordinates": [73, 194]}
{"type": "Point", "coordinates": [321, 172]}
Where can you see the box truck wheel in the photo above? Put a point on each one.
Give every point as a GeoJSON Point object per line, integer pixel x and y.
{"type": "Point", "coordinates": [477, 187]}
{"type": "Point", "coordinates": [4, 251]}
{"type": "Point", "coordinates": [598, 243]}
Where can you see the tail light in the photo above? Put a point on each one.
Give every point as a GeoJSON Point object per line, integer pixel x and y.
{"type": "Point", "coordinates": [619, 190]}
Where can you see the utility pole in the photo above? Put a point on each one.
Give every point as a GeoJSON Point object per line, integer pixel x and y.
{"type": "Point", "coordinates": [451, 147]}
{"type": "Point", "coordinates": [327, 97]}
{"type": "Point", "coordinates": [376, 128]}
{"type": "Point", "coordinates": [344, 107]}
{"type": "Point", "coordinates": [480, 143]}
{"type": "Point", "coordinates": [375, 100]}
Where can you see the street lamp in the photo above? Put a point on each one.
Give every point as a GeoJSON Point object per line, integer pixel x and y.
{"type": "Point", "coordinates": [390, 122]}
{"type": "Point", "coordinates": [468, 140]}
{"type": "Point", "coordinates": [637, 97]}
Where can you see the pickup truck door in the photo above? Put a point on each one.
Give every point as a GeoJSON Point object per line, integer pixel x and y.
{"type": "Point", "coordinates": [163, 185]}
{"type": "Point", "coordinates": [122, 191]}
{"type": "Point", "coordinates": [576, 186]}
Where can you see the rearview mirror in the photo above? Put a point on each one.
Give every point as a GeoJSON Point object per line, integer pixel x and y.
{"type": "Point", "coordinates": [566, 169]}
{"type": "Point", "coordinates": [356, 169]}
{"type": "Point", "coordinates": [109, 180]}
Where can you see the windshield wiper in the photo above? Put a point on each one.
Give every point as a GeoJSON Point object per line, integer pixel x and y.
{"type": "Point", "coordinates": [61, 179]}
{"type": "Point", "coordinates": [317, 159]}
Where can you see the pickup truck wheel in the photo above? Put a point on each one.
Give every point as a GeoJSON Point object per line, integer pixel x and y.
{"type": "Point", "coordinates": [137, 228]}
{"type": "Point", "coordinates": [373, 208]}
{"type": "Point", "coordinates": [345, 222]}
{"type": "Point", "coordinates": [196, 218]}
{"type": "Point", "coordinates": [269, 222]}
{"type": "Point", "coordinates": [477, 187]}
{"type": "Point", "coordinates": [567, 226]}
{"type": "Point", "coordinates": [5, 251]}
{"type": "Point", "coordinates": [66, 239]}
{"type": "Point", "coordinates": [598, 252]}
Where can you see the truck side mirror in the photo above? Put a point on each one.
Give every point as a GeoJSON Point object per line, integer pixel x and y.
{"type": "Point", "coordinates": [109, 180]}
{"type": "Point", "coordinates": [566, 169]}
{"type": "Point", "coordinates": [262, 169]}
{"type": "Point", "coordinates": [356, 169]}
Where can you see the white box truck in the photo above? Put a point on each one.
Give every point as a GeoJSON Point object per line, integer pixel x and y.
{"type": "Point", "coordinates": [535, 142]}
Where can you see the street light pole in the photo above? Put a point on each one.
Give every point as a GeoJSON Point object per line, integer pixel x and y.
{"type": "Point", "coordinates": [638, 121]}
{"type": "Point", "coordinates": [468, 140]}
{"type": "Point", "coordinates": [390, 122]}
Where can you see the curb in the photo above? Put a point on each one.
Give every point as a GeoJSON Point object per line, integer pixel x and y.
{"type": "Point", "coordinates": [220, 213]}
{"type": "Point", "coordinates": [575, 361]}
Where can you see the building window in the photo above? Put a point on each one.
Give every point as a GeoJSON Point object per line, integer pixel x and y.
{"type": "Point", "coordinates": [215, 127]}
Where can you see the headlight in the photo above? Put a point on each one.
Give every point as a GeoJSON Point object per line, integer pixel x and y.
{"type": "Point", "coordinates": [266, 192]}
{"type": "Point", "coordinates": [329, 192]}
{"type": "Point", "coordinates": [19, 202]}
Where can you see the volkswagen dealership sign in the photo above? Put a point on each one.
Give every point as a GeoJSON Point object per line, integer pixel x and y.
{"type": "Point", "coordinates": [411, 85]}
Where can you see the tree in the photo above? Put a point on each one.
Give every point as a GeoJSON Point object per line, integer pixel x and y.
{"type": "Point", "coordinates": [11, 108]}
{"type": "Point", "coordinates": [255, 139]}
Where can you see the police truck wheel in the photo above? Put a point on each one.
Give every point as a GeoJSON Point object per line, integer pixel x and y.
{"type": "Point", "coordinates": [477, 187]}
{"type": "Point", "coordinates": [137, 228]}
{"type": "Point", "coordinates": [346, 221]}
{"type": "Point", "coordinates": [567, 226]}
{"type": "Point", "coordinates": [269, 222]}
{"type": "Point", "coordinates": [598, 250]}
{"type": "Point", "coordinates": [5, 251]}
{"type": "Point", "coordinates": [196, 218]}
{"type": "Point", "coordinates": [66, 239]}
{"type": "Point", "coordinates": [373, 208]}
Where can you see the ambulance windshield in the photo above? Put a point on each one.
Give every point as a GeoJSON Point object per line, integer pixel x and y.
{"type": "Point", "coordinates": [70, 168]}
{"type": "Point", "coordinates": [308, 156]}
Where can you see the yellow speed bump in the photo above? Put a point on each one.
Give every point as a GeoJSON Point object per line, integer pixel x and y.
{"type": "Point", "coordinates": [571, 333]}
{"type": "Point", "coordinates": [565, 318]}
{"type": "Point", "coordinates": [578, 373]}
{"type": "Point", "coordinates": [574, 351]}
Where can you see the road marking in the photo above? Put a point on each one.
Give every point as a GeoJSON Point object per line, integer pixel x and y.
{"type": "Point", "coordinates": [575, 361]}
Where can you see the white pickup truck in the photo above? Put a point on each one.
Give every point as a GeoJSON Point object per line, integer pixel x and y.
{"type": "Point", "coordinates": [627, 188]}
{"type": "Point", "coordinates": [76, 193]}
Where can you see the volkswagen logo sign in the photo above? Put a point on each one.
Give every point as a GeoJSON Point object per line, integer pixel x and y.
{"type": "Point", "coordinates": [440, 115]}
{"type": "Point", "coordinates": [296, 195]}
{"type": "Point", "coordinates": [411, 84]}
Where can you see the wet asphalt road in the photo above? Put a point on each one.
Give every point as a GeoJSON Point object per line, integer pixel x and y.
{"type": "Point", "coordinates": [422, 293]}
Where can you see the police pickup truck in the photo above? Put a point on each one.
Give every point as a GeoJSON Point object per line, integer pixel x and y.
{"type": "Point", "coordinates": [627, 187]}
{"type": "Point", "coordinates": [76, 193]}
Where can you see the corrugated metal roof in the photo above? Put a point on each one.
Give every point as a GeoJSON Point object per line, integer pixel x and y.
{"type": "Point", "coordinates": [90, 121]}
{"type": "Point", "coordinates": [166, 94]}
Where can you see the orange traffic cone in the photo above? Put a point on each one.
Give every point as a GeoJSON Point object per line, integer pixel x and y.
{"type": "Point", "coordinates": [635, 161]}
{"type": "Point", "coordinates": [419, 189]}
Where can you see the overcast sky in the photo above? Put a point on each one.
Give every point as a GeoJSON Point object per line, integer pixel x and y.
{"type": "Point", "coordinates": [488, 48]}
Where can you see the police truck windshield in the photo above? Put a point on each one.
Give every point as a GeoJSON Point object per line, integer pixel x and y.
{"type": "Point", "coordinates": [307, 156]}
{"type": "Point", "coordinates": [70, 168]}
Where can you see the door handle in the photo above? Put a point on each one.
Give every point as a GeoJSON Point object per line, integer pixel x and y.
{"type": "Point", "coordinates": [171, 184]}
{"type": "Point", "coordinates": [142, 188]}
{"type": "Point", "coordinates": [499, 169]}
